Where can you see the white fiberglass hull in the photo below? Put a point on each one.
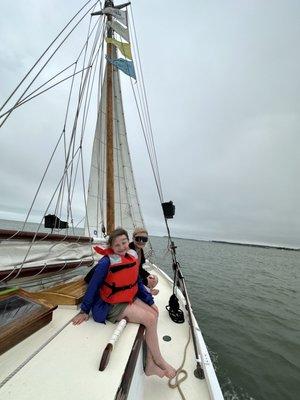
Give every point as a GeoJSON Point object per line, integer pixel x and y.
{"type": "Point", "coordinates": [61, 360]}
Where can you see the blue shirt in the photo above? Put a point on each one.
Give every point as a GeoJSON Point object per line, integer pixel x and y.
{"type": "Point", "coordinates": [92, 300]}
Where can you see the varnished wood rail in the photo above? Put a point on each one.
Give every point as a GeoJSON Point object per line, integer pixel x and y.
{"type": "Point", "coordinates": [124, 387]}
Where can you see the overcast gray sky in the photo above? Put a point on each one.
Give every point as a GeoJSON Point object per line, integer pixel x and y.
{"type": "Point", "coordinates": [223, 86]}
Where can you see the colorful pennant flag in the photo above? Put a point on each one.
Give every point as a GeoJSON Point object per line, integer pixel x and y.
{"type": "Point", "coordinates": [124, 48]}
{"type": "Point", "coordinates": [123, 32]}
{"type": "Point", "coordinates": [118, 14]}
{"type": "Point", "coordinates": [124, 65]}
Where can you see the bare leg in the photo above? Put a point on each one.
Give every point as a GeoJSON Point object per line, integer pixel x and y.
{"type": "Point", "coordinates": [151, 367]}
{"type": "Point", "coordinates": [138, 313]}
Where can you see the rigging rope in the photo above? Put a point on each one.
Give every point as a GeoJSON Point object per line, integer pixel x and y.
{"type": "Point", "coordinates": [149, 135]}
{"type": "Point", "coordinates": [31, 95]}
{"type": "Point", "coordinates": [87, 72]}
{"type": "Point", "coordinates": [90, 63]}
{"type": "Point", "coordinates": [140, 97]}
{"type": "Point", "coordinates": [143, 111]}
{"type": "Point", "coordinates": [25, 91]}
{"type": "Point", "coordinates": [72, 141]}
{"type": "Point", "coordinates": [63, 133]}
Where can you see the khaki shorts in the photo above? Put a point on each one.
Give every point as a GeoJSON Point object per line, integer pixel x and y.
{"type": "Point", "coordinates": [115, 312]}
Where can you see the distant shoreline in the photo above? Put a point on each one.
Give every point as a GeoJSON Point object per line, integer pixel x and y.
{"type": "Point", "coordinates": [265, 246]}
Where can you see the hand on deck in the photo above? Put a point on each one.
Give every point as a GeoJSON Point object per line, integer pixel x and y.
{"type": "Point", "coordinates": [152, 282]}
{"type": "Point", "coordinates": [79, 318]}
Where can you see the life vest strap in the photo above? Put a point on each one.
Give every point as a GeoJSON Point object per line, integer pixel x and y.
{"type": "Point", "coordinates": [116, 289]}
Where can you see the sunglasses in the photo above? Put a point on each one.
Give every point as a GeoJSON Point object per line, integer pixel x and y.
{"type": "Point", "coordinates": [141, 239]}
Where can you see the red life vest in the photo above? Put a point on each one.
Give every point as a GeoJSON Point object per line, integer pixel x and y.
{"type": "Point", "coordinates": [121, 282]}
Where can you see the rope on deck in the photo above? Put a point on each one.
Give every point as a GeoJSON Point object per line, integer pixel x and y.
{"type": "Point", "coordinates": [179, 371]}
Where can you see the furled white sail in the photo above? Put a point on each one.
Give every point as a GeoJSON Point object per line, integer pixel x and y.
{"type": "Point", "coordinates": [43, 254]}
{"type": "Point", "coordinates": [127, 209]}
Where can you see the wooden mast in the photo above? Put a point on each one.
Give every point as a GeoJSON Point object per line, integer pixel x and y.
{"type": "Point", "coordinates": [110, 190]}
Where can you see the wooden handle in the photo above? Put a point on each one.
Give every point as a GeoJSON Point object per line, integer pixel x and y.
{"type": "Point", "coordinates": [105, 357]}
{"type": "Point", "coordinates": [108, 349]}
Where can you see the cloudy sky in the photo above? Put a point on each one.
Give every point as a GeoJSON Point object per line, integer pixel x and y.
{"type": "Point", "coordinates": [223, 86]}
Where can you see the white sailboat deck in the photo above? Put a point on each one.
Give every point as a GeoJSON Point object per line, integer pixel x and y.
{"type": "Point", "coordinates": [173, 351]}
{"type": "Point", "coordinates": [67, 366]}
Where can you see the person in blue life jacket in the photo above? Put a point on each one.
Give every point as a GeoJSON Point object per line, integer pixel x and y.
{"type": "Point", "coordinates": [139, 240]}
{"type": "Point", "coordinates": [116, 291]}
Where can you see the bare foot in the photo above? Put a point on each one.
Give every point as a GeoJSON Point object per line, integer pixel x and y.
{"type": "Point", "coordinates": [153, 369]}
{"type": "Point", "coordinates": [169, 371]}
{"type": "Point", "coordinates": [154, 291]}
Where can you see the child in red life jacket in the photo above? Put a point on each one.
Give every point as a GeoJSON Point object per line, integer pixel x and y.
{"type": "Point", "coordinates": [115, 291]}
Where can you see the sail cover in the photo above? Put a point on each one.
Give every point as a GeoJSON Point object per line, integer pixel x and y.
{"type": "Point", "coordinates": [127, 209]}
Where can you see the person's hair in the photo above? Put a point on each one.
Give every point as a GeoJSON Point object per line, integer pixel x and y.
{"type": "Point", "coordinates": [139, 230]}
{"type": "Point", "coordinates": [114, 234]}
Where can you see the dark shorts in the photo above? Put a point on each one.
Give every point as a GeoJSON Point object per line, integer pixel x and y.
{"type": "Point", "coordinates": [115, 312]}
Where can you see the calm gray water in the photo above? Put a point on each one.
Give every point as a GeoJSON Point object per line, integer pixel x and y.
{"type": "Point", "coordinates": [247, 305]}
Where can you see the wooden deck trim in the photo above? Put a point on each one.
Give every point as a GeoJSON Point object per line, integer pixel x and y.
{"type": "Point", "coordinates": [124, 387]}
{"type": "Point", "coordinates": [18, 330]}
{"type": "Point", "coordinates": [6, 234]}
{"type": "Point", "coordinates": [70, 293]}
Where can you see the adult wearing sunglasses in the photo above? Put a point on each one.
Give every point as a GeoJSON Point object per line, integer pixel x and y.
{"type": "Point", "coordinates": [140, 238]}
